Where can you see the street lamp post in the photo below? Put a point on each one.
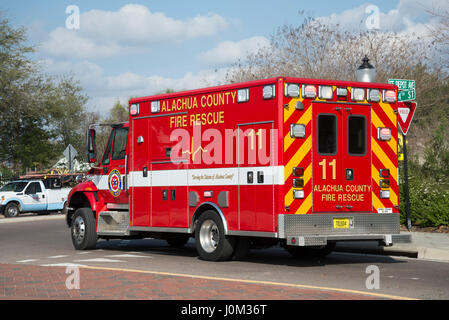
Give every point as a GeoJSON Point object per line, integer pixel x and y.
{"type": "Point", "coordinates": [366, 72]}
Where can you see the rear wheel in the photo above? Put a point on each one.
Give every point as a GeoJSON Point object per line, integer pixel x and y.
{"type": "Point", "coordinates": [83, 229]}
{"type": "Point", "coordinates": [211, 242]}
{"type": "Point", "coordinates": [12, 210]}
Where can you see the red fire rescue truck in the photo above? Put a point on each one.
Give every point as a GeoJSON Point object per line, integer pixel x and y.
{"type": "Point", "coordinates": [303, 163]}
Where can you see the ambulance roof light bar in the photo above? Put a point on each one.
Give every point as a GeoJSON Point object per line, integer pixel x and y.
{"type": "Point", "coordinates": [308, 91]}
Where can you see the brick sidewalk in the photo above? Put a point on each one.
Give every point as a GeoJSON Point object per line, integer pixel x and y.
{"type": "Point", "coordinates": [49, 283]}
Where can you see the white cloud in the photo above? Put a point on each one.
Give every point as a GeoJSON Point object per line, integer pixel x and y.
{"type": "Point", "coordinates": [230, 52]}
{"type": "Point", "coordinates": [109, 33]}
{"type": "Point", "coordinates": [402, 19]}
{"type": "Point", "coordinates": [104, 90]}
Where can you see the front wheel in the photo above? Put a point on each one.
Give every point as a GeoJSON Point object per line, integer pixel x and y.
{"type": "Point", "coordinates": [83, 229]}
{"type": "Point", "coordinates": [211, 242]}
{"type": "Point", "coordinates": [12, 210]}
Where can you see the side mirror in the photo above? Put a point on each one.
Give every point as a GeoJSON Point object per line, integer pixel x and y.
{"type": "Point", "coordinates": [91, 146]}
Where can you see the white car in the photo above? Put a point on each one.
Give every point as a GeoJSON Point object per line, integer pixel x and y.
{"type": "Point", "coordinates": [32, 196]}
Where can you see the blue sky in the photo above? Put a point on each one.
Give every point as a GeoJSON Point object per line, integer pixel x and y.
{"type": "Point", "coordinates": [136, 48]}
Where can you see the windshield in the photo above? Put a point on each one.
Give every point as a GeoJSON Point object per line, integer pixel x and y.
{"type": "Point", "coordinates": [14, 186]}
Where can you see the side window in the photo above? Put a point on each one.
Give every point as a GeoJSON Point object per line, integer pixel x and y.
{"type": "Point", "coordinates": [30, 189]}
{"type": "Point", "coordinates": [120, 141]}
{"type": "Point", "coordinates": [33, 188]}
{"type": "Point", "coordinates": [327, 134]}
{"type": "Point", "coordinates": [107, 152]}
{"type": "Point", "coordinates": [357, 135]}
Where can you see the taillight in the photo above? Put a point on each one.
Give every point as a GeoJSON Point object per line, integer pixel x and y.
{"type": "Point", "coordinates": [384, 173]}
{"type": "Point", "coordinates": [298, 183]}
{"type": "Point", "coordinates": [298, 172]}
{"type": "Point", "coordinates": [384, 184]}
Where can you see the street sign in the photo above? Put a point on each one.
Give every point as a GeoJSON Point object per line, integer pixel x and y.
{"type": "Point", "coordinates": [406, 110]}
{"type": "Point", "coordinates": [406, 95]}
{"type": "Point", "coordinates": [406, 89]}
{"type": "Point", "coordinates": [403, 84]}
{"type": "Point", "coordinates": [70, 153]}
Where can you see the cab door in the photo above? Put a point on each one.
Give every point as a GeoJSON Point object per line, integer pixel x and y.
{"type": "Point", "coordinates": [341, 148]}
{"type": "Point", "coordinates": [34, 198]}
{"type": "Point", "coordinates": [140, 173]}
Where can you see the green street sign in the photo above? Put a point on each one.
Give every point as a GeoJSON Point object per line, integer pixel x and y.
{"type": "Point", "coordinates": [403, 84]}
{"type": "Point", "coordinates": [406, 95]}
{"type": "Point", "coordinates": [406, 89]}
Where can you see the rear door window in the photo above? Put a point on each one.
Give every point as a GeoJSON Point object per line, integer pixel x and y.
{"type": "Point", "coordinates": [327, 134]}
{"type": "Point", "coordinates": [356, 135]}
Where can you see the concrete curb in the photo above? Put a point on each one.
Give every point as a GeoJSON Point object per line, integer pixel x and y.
{"type": "Point", "coordinates": [387, 251]}
{"type": "Point", "coordinates": [433, 254]}
{"type": "Point", "coordinates": [418, 252]}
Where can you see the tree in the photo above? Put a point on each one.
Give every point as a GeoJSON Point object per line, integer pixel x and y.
{"type": "Point", "coordinates": [315, 49]}
{"type": "Point", "coordinates": [23, 140]}
{"type": "Point", "coordinates": [40, 115]}
{"type": "Point", "coordinates": [118, 113]}
{"type": "Point", "coordinates": [66, 114]}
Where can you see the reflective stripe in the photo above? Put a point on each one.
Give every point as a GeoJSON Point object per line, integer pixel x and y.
{"type": "Point", "coordinates": [199, 177]}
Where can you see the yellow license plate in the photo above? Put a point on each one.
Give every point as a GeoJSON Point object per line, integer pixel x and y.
{"type": "Point", "coordinates": [341, 223]}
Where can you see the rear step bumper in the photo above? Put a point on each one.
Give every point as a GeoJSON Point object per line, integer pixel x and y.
{"type": "Point", "coordinates": [319, 229]}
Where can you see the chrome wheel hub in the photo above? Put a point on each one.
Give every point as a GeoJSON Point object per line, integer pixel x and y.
{"type": "Point", "coordinates": [209, 236]}
{"type": "Point", "coordinates": [79, 229]}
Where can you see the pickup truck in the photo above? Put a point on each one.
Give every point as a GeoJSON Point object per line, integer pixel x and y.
{"type": "Point", "coordinates": [32, 196]}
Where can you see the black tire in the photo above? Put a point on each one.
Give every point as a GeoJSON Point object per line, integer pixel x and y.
{"type": "Point", "coordinates": [210, 239]}
{"type": "Point", "coordinates": [177, 241]}
{"type": "Point", "coordinates": [310, 252]}
{"type": "Point", "coordinates": [12, 210]}
{"type": "Point", "coordinates": [83, 229]}
{"type": "Point", "coordinates": [241, 248]}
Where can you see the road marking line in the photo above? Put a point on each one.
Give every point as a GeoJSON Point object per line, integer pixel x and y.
{"type": "Point", "coordinates": [28, 260]}
{"type": "Point", "coordinates": [99, 260]}
{"type": "Point", "coordinates": [62, 265]}
{"type": "Point", "coordinates": [57, 257]}
{"type": "Point", "coordinates": [127, 256]}
{"type": "Point", "coordinates": [302, 286]}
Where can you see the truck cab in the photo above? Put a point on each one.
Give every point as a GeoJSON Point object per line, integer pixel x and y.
{"type": "Point", "coordinates": [34, 195]}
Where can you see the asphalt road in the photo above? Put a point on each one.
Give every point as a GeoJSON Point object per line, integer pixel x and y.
{"type": "Point", "coordinates": [47, 243]}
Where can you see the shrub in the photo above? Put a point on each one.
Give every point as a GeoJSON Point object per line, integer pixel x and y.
{"type": "Point", "coordinates": [429, 203]}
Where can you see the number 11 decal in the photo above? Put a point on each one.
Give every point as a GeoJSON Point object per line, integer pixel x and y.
{"type": "Point", "coordinates": [332, 164]}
